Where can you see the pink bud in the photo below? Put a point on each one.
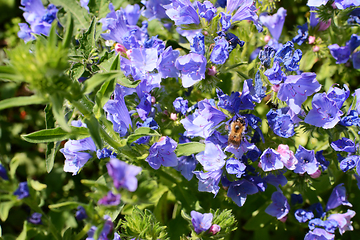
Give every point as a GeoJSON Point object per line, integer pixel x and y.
{"type": "Point", "coordinates": [173, 116]}
{"type": "Point", "coordinates": [212, 71]}
{"type": "Point", "coordinates": [205, 33]}
{"type": "Point", "coordinates": [214, 229]}
{"type": "Point", "coordinates": [311, 39]}
{"type": "Point", "coordinates": [275, 88]}
{"type": "Point", "coordinates": [267, 38]}
{"type": "Point", "coordinates": [316, 48]}
{"type": "Point", "coordinates": [162, 138]}
{"type": "Point", "coordinates": [324, 25]}
{"type": "Point", "coordinates": [153, 100]}
{"type": "Point", "coordinates": [120, 48]}
{"type": "Point", "coordinates": [128, 53]}
{"type": "Point", "coordinates": [316, 174]}
{"type": "Point", "coordinates": [283, 219]}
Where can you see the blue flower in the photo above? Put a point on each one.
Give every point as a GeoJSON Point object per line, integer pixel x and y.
{"type": "Point", "coordinates": [80, 213]}
{"type": "Point", "coordinates": [144, 107]}
{"type": "Point", "coordinates": [84, 4]}
{"type": "Point", "coordinates": [38, 17]}
{"type": "Point", "coordinates": [154, 9]}
{"type": "Point", "coordinates": [321, 160]}
{"type": "Point", "coordinates": [225, 20]}
{"type": "Point", "coordinates": [341, 54]}
{"type": "Point", "coordinates": [319, 234]}
{"type": "Point", "coordinates": [233, 40]}
{"type": "Point", "coordinates": [35, 218]}
{"type": "Point", "coordinates": [276, 180]}
{"type": "Point", "coordinates": [337, 198]}
{"type": "Point", "coordinates": [132, 14]}
{"type": "Point", "coordinates": [296, 88]}
{"type": "Point", "coordinates": [110, 199]}
{"type": "Point", "coordinates": [302, 34]}
{"type": "Point", "coordinates": [192, 67]}
{"type": "Point", "coordinates": [270, 160]}
{"type": "Point", "coordinates": [144, 58]}
{"type": "Point", "coordinates": [22, 191]}
{"type": "Point", "coordinates": [303, 215]}
{"type": "Point", "coordinates": [209, 181]}
{"type": "Point", "coordinates": [212, 158]}
{"type": "Point", "coordinates": [234, 166]}
{"type": "Point", "coordinates": [351, 119]}
{"type": "Point", "coordinates": [274, 22]}
{"type": "Point", "coordinates": [344, 145]}
{"type": "Point", "coordinates": [186, 165]}
{"type": "Point", "coordinates": [206, 10]}
{"type": "Point", "coordinates": [123, 174]}
{"type": "Point", "coordinates": [280, 122]}
{"type": "Point", "coordinates": [181, 105]}
{"type": "Point", "coordinates": [198, 44]}
{"type": "Point", "coordinates": [103, 235]}
{"type": "Point", "coordinates": [306, 161]}
{"type": "Point", "coordinates": [117, 111]}
{"type": "Point", "coordinates": [275, 74]}
{"type": "Point", "coordinates": [324, 113]}
{"type": "Point", "coordinates": [162, 153]}
{"type": "Point", "coordinates": [266, 55]}
{"type": "Point", "coordinates": [343, 220]}
{"type": "Point", "coordinates": [203, 121]}
{"type": "Point", "coordinates": [244, 11]}
{"type": "Point", "coordinates": [220, 52]}
{"type": "Point", "coordinates": [105, 153]}
{"type": "Point", "coordinates": [279, 207]}
{"type": "Point", "coordinates": [3, 173]}
{"type": "Point", "coordinates": [296, 199]}
{"type": "Point", "coordinates": [349, 162]}
{"type": "Point", "coordinates": [182, 12]}
{"type": "Point", "coordinates": [77, 153]}
{"type": "Point", "coordinates": [201, 222]}
{"type": "Point", "coordinates": [338, 95]}
{"type": "Point", "coordinates": [239, 190]}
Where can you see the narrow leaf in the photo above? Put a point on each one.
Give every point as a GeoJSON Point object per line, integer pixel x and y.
{"type": "Point", "coordinates": [187, 149]}
{"type": "Point", "coordinates": [102, 96]}
{"type": "Point", "coordinates": [69, 32]}
{"type": "Point", "coordinates": [94, 128]}
{"type": "Point", "coordinates": [57, 108]}
{"type": "Point", "coordinates": [21, 101]}
{"type": "Point", "coordinates": [141, 132]}
{"type": "Point", "coordinates": [87, 42]}
{"type": "Point", "coordinates": [56, 134]}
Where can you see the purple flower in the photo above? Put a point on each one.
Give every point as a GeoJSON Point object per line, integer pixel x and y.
{"type": "Point", "coordinates": [80, 213]}
{"type": "Point", "coordinates": [132, 14]}
{"type": "Point", "coordinates": [303, 215]}
{"type": "Point", "coordinates": [296, 199]}
{"type": "Point", "coordinates": [105, 153]}
{"type": "Point", "coordinates": [209, 181]}
{"type": "Point", "coordinates": [35, 218]}
{"type": "Point", "coordinates": [214, 229]}
{"type": "Point", "coordinates": [38, 17]}
{"type": "Point", "coordinates": [351, 119]}
{"type": "Point", "coordinates": [206, 10]}
{"type": "Point", "coordinates": [275, 74]}
{"type": "Point", "coordinates": [162, 153]}
{"type": "Point", "coordinates": [306, 161]}
{"type": "Point", "coordinates": [279, 207]}
{"type": "Point", "coordinates": [182, 12]}
{"type": "Point", "coordinates": [239, 190]}
{"type": "Point", "coordinates": [117, 111]}
{"type": "Point", "coordinates": [212, 158]}
{"type": "Point", "coordinates": [110, 199]}
{"type": "Point", "coordinates": [144, 107]}
{"type": "Point", "coordinates": [3, 173]}
{"type": "Point", "coordinates": [341, 54]}
{"type": "Point", "coordinates": [186, 165]}
{"type": "Point", "coordinates": [280, 122]}
{"type": "Point", "coordinates": [77, 153]}
{"type": "Point", "coordinates": [201, 222]}
{"type": "Point", "coordinates": [274, 22]}
{"type": "Point", "coordinates": [271, 160]}
{"type": "Point", "coordinates": [225, 21]}
{"type": "Point", "coordinates": [22, 191]}
{"type": "Point", "coordinates": [84, 4]}
{"type": "Point", "coordinates": [181, 105]}
{"type": "Point", "coordinates": [107, 228]}
{"type": "Point", "coordinates": [287, 156]}
{"type": "Point", "coordinates": [203, 121]}
{"type": "Point", "coordinates": [324, 113]}
{"type": "Point", "coordinates": [234, 166]}
{"type": "Point", "coordinates": [123, 174]}
{"type": "Point", "coordinates": [233, 40]}
{"type": "Point", "coordinates": [349, 163]}
{"type": "Point", "coordinates": [344, 145]}
{"type": "Point", "coordinates": [25, 33]}
{"type": "Point", "coordinates": [296, 88]}
{"type": "Point", "coordinates": [338, 95]}
{"type": "Point", "coordinates": [245, 11]}
{"type": "Point", "coordinates": [344, 220]}
{"type": "Point", "coordinates": [192, 68]}
{"type": "Point", "coordinates": [356, 60]}
{"type": "Point", "coordinates": [337, 198]}
{"type": "Point", "coordinates": [321, 160]}
{"type": "Point", "coordinates": [276, 180]}
{"type": "Point", "coordinates": [220, 52]}
{"type": "Point", "coordinates": [266, 55]}
{"type": "Point", "coordinates": [319, 234]}
{"type": "Point", "coordinates": [144, 58]}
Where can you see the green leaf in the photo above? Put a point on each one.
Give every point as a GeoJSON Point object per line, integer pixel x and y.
{"type": "Point", "coordinates": [102, 96]}
{"type": "Point", "coordinates": [4, 209]}
{"type": "Point", "coordinates": [186, 149]}
{"type": "Point", "coordinates": [116, 63]}
{"type": "Point", "coordinates": [57, 108]}
{"type": "Point", "coordinates": [23, 234]}
{"type": "Point", "coordinates": [9, 73]}
{"type": "Point", "coordinates": [56, 134]}
{"type": "Point", "coordinates": [81, 16]}
{"type": "Point", "coordinates": [64, 205]}
{"type": "Point", "coordinates": [100, 78]}
{"type": "Point", "coordinates": [69, 32]}
{"type": "Point", "coordinates": [94, 129]}
{"type": "Point", "coordinates": [87, 41]}
{"type": "Point", "coordinates": [53, 38]}
{"type": "Point", "coordinates": [141, 132]}
{"type": "Point", "coordinates": [161, 209]}
{"type": "Point", "coordinates": [51, 148]}
{"type": "Point", "coordinates": [307, 61]}
{"type": "Point", "coordinates": [21, 101]}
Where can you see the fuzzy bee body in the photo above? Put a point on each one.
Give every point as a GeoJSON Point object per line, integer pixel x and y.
{"type": "Point", "coordinates": [237, 128]}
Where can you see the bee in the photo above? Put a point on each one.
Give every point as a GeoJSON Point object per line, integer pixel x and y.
{"type": "Point", "coordinates": [237, 128]}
